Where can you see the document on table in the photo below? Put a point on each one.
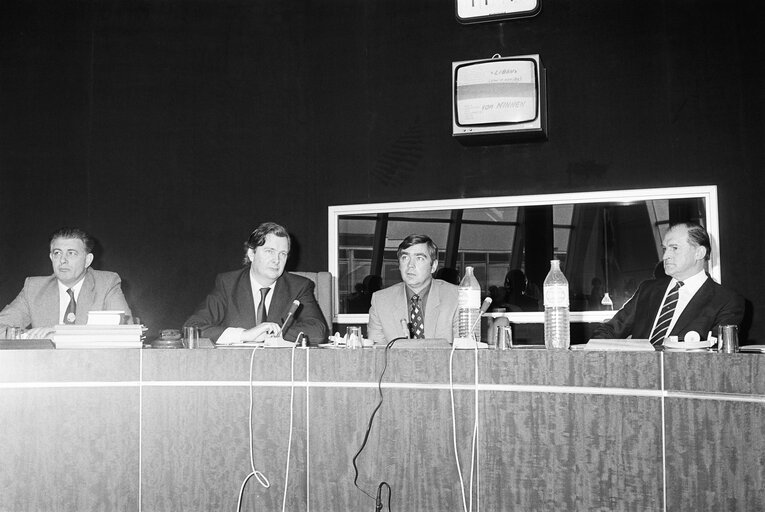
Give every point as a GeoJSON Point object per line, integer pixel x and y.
{"type": "Point", "coordinates": [626, 345]}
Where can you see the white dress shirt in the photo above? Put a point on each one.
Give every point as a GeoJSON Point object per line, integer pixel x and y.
{"type": "Point", "coordinates": [234, 334]}
{"type": "Point", "coordinates": [63, 297]}
{"type": "Point", "coordinates": [685, 294]}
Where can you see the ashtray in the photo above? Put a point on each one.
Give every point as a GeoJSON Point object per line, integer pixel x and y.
{"type": "Point", "coordinates": [169, 338]}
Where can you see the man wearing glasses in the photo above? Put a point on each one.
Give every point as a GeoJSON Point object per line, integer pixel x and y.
{"type": "Point", "coordinates": [252, 303]}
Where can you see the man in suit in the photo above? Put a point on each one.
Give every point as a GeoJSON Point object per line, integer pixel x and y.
{"type": "Point", "coordinates": [252, 303]}
{"type": "Point", "coordinates": [420, 306]}
{"type": "Point", "coordinates": [69, 294]}
{"type": "Point", "coordinates": [684, 300]}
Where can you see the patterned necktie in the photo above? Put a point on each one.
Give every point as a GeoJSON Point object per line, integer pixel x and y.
{"type": "Point", "coordinates": [665, 317]}
{"type": "Point", "coordinates": [417, 330]}
{"type": "Point", "coordinates": [70, 315]}
{"type": "Point", "coordinates": [261, 316]}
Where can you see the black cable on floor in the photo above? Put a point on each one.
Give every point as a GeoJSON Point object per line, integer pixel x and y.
{"type": "Point", "coordinates": [371, 419]}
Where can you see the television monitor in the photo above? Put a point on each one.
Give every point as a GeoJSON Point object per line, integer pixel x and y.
{"type": "Point", "coordinates": [470, 11]}
{"type": "Point", "coordinates": [501, 99]}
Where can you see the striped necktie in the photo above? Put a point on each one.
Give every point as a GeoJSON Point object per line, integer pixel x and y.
{"type": "Point", "coordinates": [665, 316]}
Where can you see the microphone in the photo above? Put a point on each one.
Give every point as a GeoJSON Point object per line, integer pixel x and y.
{"type": "Point", "coordinates": [405, 328]}
{"type": "Point", "coordinates": [484, 308]}
{"type": "Point", "coordinates": [290, 316]}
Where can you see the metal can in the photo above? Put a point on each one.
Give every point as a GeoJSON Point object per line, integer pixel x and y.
{"type": "Point", "coordinates": [504, 337]}
{"type": "Point", "coordinates": [728, 339]}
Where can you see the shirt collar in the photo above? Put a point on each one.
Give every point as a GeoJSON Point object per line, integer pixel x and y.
{"type": "Point", "coordinates": [257, 286]}
{"type": "Point", "coordinates": [62, 288]}
{"type": "Point", "coordinates": [423, 293]}
{"type": "Point", "coordinates": [692, 284]}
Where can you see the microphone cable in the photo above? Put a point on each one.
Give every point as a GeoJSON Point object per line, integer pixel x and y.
{"type": "Point", "coordinates": [292, 417]}
{"type": "Point", "coordinates": [259, 476]}
{"type": "Point", "coordinates": [474, 469]}
{"type": "Point", "coordinates": [378, 501]}
{"type": "Point", "coordinates": [369, 428]}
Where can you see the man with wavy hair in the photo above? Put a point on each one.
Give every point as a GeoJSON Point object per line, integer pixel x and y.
{"type": "Point", "coordinates": [252, 303]}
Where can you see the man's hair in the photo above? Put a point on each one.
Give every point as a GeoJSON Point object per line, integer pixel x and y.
{"type": "Point", "coordinates": [66, 232]}
{"type": "Point", "coordinates": [418, 239]}
{"type": "Point", "coordinates": [258, 237]}
{"type": "Point", "coordinates": [697, 236]}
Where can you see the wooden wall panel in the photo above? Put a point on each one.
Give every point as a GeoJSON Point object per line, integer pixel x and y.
{"type": "Point", "coordinates": [715, 455]}
{"type": "Point", "coordinates": [196, 431]}
{"type": "Point", "coordinates": [561, 431]}
{"type": "Point", "coordinates": [69, 448]}
{"type": "Point", "coordinates": [550, 451]}
{"type": "Point", "coordinates": [715, 373]}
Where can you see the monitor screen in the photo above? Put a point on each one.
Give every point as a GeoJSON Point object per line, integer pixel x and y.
{"type": "Point", "coordinates": [500, 95]}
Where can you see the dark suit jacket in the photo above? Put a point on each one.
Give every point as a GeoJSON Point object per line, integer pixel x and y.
{"type": "Point", "coordinates": [231, 304]}
{"type": "Point", "coordinates": [711, 306]}
{"type": "Point", "coordinates": [38, 303]}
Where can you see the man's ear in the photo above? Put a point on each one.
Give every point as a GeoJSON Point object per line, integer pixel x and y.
{"type": "Point", "coordinates": [434, 266]}
{"type": "Point", "coordinates": [250, 254]}
{"type": "Point", "coordinates": [88, 259]}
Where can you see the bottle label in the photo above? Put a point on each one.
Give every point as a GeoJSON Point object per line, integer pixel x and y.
{"type": "Point", "coordinates": [469, 299]}
{"type": "Point", "coordinates": [556, 296]}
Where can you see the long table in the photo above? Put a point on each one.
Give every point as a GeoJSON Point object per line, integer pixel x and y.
{"type": "Point", "coordinates": [156, 430]}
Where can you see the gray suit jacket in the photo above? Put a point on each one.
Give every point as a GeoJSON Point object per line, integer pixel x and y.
{"type": "Point", "coordinates": [389, 307]}
{"type": "Point", "coordinates": [38, 303]}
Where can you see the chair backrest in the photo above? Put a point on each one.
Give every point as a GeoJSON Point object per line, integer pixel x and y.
{"type": "Point", "coordinates": [323, 291]}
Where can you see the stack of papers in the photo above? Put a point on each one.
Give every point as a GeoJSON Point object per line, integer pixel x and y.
{"type": "Point", "coordinates": [672, 343]}
{"type": "Point", "coordinates": [752, 348]}
{"type": "Point", "coordinates": [98, 336]}
{"type": "Point", "coordinates": [625, 344]}
{"type": "Point", "coordinates": [105, 317]}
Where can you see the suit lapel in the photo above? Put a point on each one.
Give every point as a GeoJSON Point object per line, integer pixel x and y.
{"type": "Point", "coordinates": [432, 309]}
{"type": "Point", "coordinates": [702, 297]}
{"type": "Point", "coordinates": [645, 317]}
{"type": "Point", "coordinates": [244, 298]}
{"type": "Point", "coordinates": [398, 309]}
{"type": "Point", "coordinates": [280, 301]}
{"type": "Point", "coordinates": [85, 298]}
{"type": "Point", "coordinates": [657, 297]}
{"type": "Point", "coordinates": [50, 306]}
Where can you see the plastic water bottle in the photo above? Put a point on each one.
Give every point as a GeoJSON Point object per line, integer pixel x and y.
{"type": "Point", "coordinates": [557, 334]}
{"type": "Point", "coordinates": [469, 304]}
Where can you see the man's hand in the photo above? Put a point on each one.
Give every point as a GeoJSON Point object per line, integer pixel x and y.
{"type": "Point", "coordinates": [38, 333]}
{"type": "Point", "coordinates": [261, 331]}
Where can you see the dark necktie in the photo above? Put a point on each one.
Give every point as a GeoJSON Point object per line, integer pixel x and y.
{"type": "Point", "coordinates": [665, 316]}
{"type": "Point", "coordinates": [415, 318]}
{"type": "Point", "coordinates": [261, 316]}
{"type": "Point", "coordinates": [70, 315]}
